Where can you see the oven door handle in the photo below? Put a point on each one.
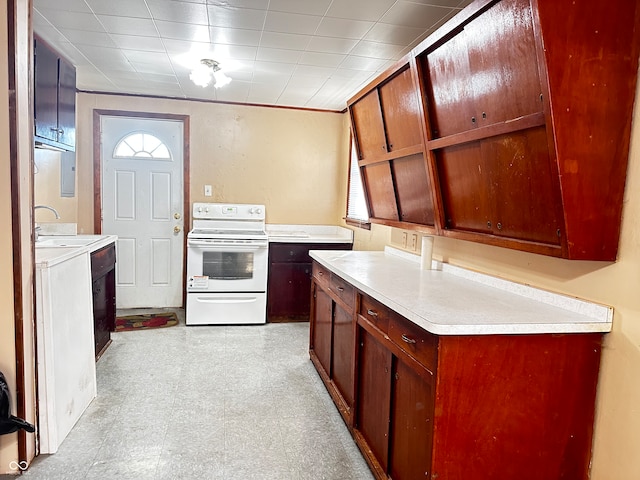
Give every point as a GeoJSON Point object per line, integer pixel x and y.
{"type": "Point", "coordinates": [227, 246]}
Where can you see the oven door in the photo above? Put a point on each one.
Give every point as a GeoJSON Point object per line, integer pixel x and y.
{"type": "Point", "coordinates": [227, 265]}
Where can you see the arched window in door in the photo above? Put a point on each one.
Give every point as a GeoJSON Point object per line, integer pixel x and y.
{"type": "Point", "coordinates": [141, 145]}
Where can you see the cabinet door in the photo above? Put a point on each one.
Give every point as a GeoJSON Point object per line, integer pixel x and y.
{"type": "Point", "coordinates": [448, 87]}
{"type": "Point", "coordinates": [399, 102]}
{"type": "Point", "coordinates": [415, 204]}
{"type": "Point", "coordinates": [342, 356]}
{"type": "Point", "coordinates": [46, 92]}
{"type": "Point", "coordinates": [67, 104]}
{"type": "Point", "coordinates": [374, 396]}
{"type": "Point", "coordinates": [380, 191]}
{"type": "Point", "coordinates": [321, 328]}
{"type": "Point", "coordinates": [411, 424]}
{"type": "Point", "coordinates": [366, 117]}
{"type": "Point", "coordinates": [288, 290]}
{"type": "Point", "coordinates": [502, 63]}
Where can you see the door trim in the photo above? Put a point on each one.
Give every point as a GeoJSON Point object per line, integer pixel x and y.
{"type": "Point", "coordinates": [186, 178]}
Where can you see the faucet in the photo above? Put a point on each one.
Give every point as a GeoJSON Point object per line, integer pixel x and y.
{"type": "Point", "coordinates": [36, 228]}
{"type": "Point", "coordinates": [55, 212]}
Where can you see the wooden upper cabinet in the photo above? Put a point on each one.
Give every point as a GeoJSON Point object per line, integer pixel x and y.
{"type": "Point", "coordinates": [369, 127]}
{"type": "Point", "coordinates": [528, 110]}
{"type": "Point", "coordinates": [386, 118]}
{"type": "Point", "coordinates": [54, 98]}
{"type": "Point", "coordinates": [400, 107]}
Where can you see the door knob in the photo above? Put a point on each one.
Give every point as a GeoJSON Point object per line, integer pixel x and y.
{"type": "Point", "coordinates": [176, 229]}
{"type": "Point", "coordinates": [176, 216]}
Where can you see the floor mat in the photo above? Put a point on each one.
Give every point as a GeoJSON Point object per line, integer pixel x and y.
{"type": "Point", "coordinates": [149, 320]}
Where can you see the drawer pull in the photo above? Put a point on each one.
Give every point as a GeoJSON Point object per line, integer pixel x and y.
{"type": "Point", "coordinates": [406, 339]}
{"type": "Point", "coordinates": [340, 289]}
{"type": "Point", "coordinates": [373, 313]}
{"type": "Point", "coordinates": [320, 273]}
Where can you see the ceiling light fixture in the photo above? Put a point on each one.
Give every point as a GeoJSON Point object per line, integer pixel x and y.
{"type": "Point", "coordinates": [206, 70]}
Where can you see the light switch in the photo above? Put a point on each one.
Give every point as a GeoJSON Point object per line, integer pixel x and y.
{"type": "Point", "coordinates": [208, 190]}
{"type": "Point", "coordinates": [404, 239]}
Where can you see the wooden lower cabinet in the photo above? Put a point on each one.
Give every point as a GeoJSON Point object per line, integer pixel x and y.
{"type": "Point", "coordinates": [332, 338]}
{"type": "Point", "coordinates": [455, 407]}
{"type": "Point", "coordinates": [103, 286]}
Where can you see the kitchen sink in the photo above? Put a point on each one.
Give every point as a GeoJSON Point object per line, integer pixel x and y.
{"type": "Point", "coordinates": [62, 241]}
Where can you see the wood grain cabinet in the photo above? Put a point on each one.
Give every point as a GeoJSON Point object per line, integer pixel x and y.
{"type": "Point", "coordinates": [289, 279]}
{"type": "Point", "coordinates": [525, 109]}
{"type": "Point", "coordinates": [54, 98]}
{"type": "Point", "coordinates": [460, 407]}
{"type": "Point", "coordinates": [387, 129]}
{"type": "Point", "coordinates": [103, 277]}
{"type": "Point", "coordinates": [332, 337]}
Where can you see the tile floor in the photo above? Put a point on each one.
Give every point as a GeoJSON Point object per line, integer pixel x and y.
{"type": "Point", "coordinates": [222, 402]}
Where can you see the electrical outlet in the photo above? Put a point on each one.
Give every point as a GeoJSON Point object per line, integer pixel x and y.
{"type": "Point", "coordinates": [404, 239]}
{"type": "Point", "coordinates": [208, 191]}
{"type": "Point", "coordinates": [414, 242]}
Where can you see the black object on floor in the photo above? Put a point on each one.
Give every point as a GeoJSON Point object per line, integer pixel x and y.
{"type": "Point", "coordinates": [9, 423]}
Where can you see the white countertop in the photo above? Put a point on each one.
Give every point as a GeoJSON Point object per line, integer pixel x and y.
{"type": "Point", "coordinates": [454, 301]}
{"type": "Point", "coordinates": [47, 256]}
{"type": "Point", "coordinates": [282, 233]}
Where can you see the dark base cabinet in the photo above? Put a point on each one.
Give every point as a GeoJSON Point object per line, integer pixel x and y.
{"type": "Point", "coordinates": [455, 407]}
{"type": "Point", "coordinates": [290, 279]}
{"type": "Point", "coordinates": [103, 276]}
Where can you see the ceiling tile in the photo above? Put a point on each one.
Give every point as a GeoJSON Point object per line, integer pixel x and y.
{"type": "Point", "coordinates": [445, 3]}
{"type": "Point", "coordinates": [291, 23]}
{"type": "Point", "coordinates": [234, 92]}
{"type": "Point", "coordinates": [314, 71]}
{"type": "Point", "coordinates": [264, 94]}
{"type": "Point", "coordinates": [306, 7]}
{"type": "Point", "coordinates": [232, 17]}
{"type": "Point", "coordinates": [126, 25]}
{"type": "Point", "coordinates": [414, 15]}
{"type": "Point", "coordinates": [132, 42]}
{"type": "Point", "coordinates": [147, 57]}
{"type": "Point", "coordinates": [66, 5]}
{"type": "Point", "coordinates": [183, 31]}
{"type": "Point", "coordinates": [370, 10]}
{"type": "Point", "coordinates": [109, 58]}
{"type": "Point", "coordinates": [256, 4]}
{"type": "Point", "coordinates": [290, 41]}
{"type": "Point", "coordinates": [81, 37]}
{"type": "Point", "coordinates": [72, 20]}
{"type": "Point", "coordinates": [322, 59]}
{"type": "Point", "coordinates": [331, 44]}
{"type": "Point", "coordinates": [306, 81]}
{"type": "Point", "coordinates": [235, 36]}
{"type": "Point", "coordinates": [341, 28]}
{"type": "Point", "coordinates": [362, 63]}
{"type": "Point", "coordinates": [364, 48]}
{"type": "Point", "coordinates": [182, 12]}
{"type": "Point", "coordinates": [129, 8]}
{"type": "Point", "coordinates": [394, 34]}
{"type": "Point", "coordinates": [274, 68]}
{"type": "Point", "coordinates": [278, 55]}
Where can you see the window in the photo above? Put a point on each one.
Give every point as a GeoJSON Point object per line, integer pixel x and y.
{"type": "Point", "coordinates": [357, 213]}
{"type": "Point", "coordinates": [141, 145]}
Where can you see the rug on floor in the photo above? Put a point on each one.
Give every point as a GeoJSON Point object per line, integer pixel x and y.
{"type": "Point", "coordinates": [145, 321]}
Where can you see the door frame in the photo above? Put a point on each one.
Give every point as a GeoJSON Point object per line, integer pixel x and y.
{"type": "Point", "coordinates": [186, 178]}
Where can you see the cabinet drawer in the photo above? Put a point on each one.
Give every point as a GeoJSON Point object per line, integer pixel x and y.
{"type": "Point", "coordinates": [102, 261]}
{"type": "Point", "coordinates": [417, 342]}
{"type": "Point", "coordinates": [289, 253]}
{"type": "Point", "coordinates": [343, 290]}
{"type": "Point", "coordinates": [321, 274]}
{"type": "Point", "coordinates": [374, 312]}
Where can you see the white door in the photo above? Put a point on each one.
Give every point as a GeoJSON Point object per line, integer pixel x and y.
{"type": "Point", "coordinates": [142, 203]}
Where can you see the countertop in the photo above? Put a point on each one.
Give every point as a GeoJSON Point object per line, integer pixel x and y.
{"type": "Point", "coordinates": [47, 256]}
{"type": "Point", "coordinates": [454, 301]}
{"type": "Point", "coordinates": [282, 233]}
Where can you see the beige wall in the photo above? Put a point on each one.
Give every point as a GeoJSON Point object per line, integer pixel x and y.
{"type": "Point", "coordinates": [617, 426]}
{"type": "Point", "coordinates": [292, 161]}
{"type": "Point", "coordinates": [47, 189]}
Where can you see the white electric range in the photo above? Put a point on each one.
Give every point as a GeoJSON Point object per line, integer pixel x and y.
{"type": "Point", "coordinates": [227, 263]}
